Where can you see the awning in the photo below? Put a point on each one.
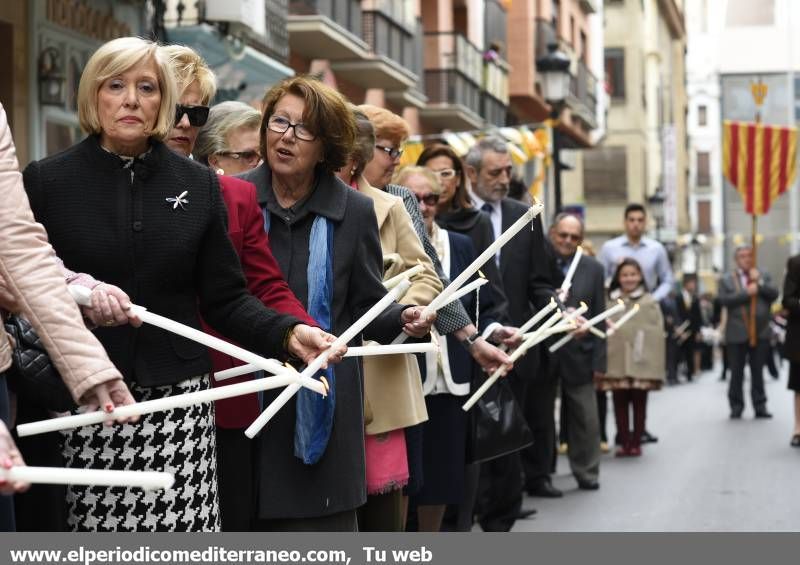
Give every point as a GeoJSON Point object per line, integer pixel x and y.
{"type": "Point", "coordinates": [242, 76]}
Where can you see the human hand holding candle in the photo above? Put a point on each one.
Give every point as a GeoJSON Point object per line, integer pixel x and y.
{"type": "Point", "coordinates": [614, 326]}
{"type": "Point", "coordinates": [589, 323]}
{"type": "Point", "coordinates": [486, 255]}
{"type": "Point", "coordinates": [9, 458]}
{"type": "Point", "coordinates": [389, 284]}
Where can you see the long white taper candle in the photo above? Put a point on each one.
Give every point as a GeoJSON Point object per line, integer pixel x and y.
{"type": "Point", "coordinates": [147, 480]}
{"type": "Point", "coordinates": [312, 368]}
{"type": "Point", "coordinates": [487, 254]}
{"type": "Point", "coordinates": [567, 283]}
{"type": "Point", "coordinates": [618, 307]}
{"type": "Point", "coordinates": [628, 315]}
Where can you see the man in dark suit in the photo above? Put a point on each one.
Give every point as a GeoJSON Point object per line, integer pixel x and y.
{"type": "Point", "coordinates": [689, 311]}
{"type": "Point", "coordinates": [577, 362]}
{"type": "Point", "coordinates": [736, 290]}
{"type": "Point", "coordinates": [525, 270]}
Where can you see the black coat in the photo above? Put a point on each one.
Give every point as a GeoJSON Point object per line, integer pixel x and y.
{"type": "Point", "coordinates": [526, 267]}
{"type": "Point", "coordinates": [791, 301]}
{"type": "Point", "coordinates": [580, 357]}
{"type": "Point", "coordinates": [287, 487]}
{"type": "Point", "coordinates": [115, 223]}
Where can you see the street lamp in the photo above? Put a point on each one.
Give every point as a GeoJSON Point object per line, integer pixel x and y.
{"type": "Point", "coordinates": [656, 205]}
{"type": "Point", "coordinates": [554, 77]}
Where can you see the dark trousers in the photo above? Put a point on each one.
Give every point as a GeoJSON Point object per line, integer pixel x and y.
{"type": "Point", "coordinates": [738, 355]}
{"type": "Point", "coordinates": [340, 522]}
{"type": "Point", "coordinates": [382, 513]}
{"type": "Point", "coordinates": [623, 401]}
{"type": "Point", "coordinates": [602, 412]}
{"type": "Point", "coordinates": [540, 402]}
{"type": "Point", "coordinates": [235, 464]}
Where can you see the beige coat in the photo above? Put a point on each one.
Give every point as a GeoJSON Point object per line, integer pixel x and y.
{"type": "Point", "coordinates": [33, 284]}
{"type": "Point", "coordinates": [392, 383]}
{"type": "Point", "coordinates": [637, 349]}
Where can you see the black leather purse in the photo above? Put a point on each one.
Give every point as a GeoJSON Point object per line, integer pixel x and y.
{"type": "Point", "coordinates": [32, 375]}
{"type": "Point", "coordinates": [497, 426]}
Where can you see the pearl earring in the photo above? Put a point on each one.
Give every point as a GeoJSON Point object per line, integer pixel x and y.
{"type": "Point", "coordinates": [220, 171]}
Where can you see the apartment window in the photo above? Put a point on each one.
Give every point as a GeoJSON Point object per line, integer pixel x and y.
{"type": "Point", "coordinates": [704, 217]}
{"type": "Point", "coordinates": [584, 48]}
{"type": "Point", "coordinates": [615, 72]}
{"type": "Point", "coordinates": [605, 173]}
{"type": "Point", "coordinates": [744, 13]}
{"type": "Point", "coordinates": [702, 115]}
{"type": "Point", "coordinates": [703, 168]}
{"type": "Point", "coordinates": [555, 10]}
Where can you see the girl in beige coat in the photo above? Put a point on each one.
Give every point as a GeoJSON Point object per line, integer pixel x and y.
{"type": "Point", "coordinates": [635, 355]}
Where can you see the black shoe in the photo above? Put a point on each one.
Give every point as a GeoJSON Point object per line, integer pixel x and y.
{"type": "Point", "coordinates": [525, 514]}
{"type": "Point", "coordinates": [763, 414]}
{"type": "Point", "coordinates": [795, 440]}
{"type": "Point", "coordinates": [588, 484]}
{"type": "Point", "coordinates": [544, 489]}
{"type": "Point", "coordinates": [647, 437]}
{"type": "Point", "coordinates": [736, 414]}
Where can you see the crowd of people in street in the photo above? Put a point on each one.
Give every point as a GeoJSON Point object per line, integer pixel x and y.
{"type": "Point", "coordinates": [276, 229]}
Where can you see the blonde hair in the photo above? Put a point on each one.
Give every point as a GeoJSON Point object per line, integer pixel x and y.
{"type": "Point", "coordinates": [387, 124]}
{"type": "Point", "coordinates": [114, 58]}
{"type": "Point", "coordinates": [403, 173]}
{"type": "Point", "coordinates": [188, 67]}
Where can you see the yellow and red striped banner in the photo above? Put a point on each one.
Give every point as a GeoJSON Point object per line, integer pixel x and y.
{"type": "Point", "coordinates": [759, 160]}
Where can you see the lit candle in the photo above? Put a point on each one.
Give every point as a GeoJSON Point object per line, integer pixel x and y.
{"type": "Point", "coordinates": [147, 480]}
{"type": "Point", "coordinates": [364, 351]}
{"type": "Point", "coordinates": [488, 254]}
{"type": "Point", "coordinates": [628, 315]}
{"type": "Point", "coordinates": [618, 307]}
{"type": "Point", "coordinates": [82, 296]}
{"type": "Point", "coordinates": [567, 284]}
{"type": "Point", "coordinates": [167, 403]}
{"type": "Point", "coordinates": [348, 335]}
{"type": "Point", "coordinates": [389, 284]}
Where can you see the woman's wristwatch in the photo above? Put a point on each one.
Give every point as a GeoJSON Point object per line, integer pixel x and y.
{"type": "Point", "coordinates": [470, 341]}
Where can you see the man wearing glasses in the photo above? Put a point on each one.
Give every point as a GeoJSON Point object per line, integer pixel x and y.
{"type": "Point", "coordinates": [578, 362]}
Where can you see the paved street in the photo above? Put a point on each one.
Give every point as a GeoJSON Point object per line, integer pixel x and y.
{"type": "Point", "coordinates": [706, 473]}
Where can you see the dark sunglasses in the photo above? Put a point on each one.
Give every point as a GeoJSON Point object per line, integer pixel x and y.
{"type": "Point", "coordinates": [569, 236]}
{"type": "Point", "coordinates": [198, 115]}
{"type": "Point", "coordinates": [429, 199]}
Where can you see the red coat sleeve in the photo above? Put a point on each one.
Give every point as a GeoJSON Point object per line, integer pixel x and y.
{"type": "Point", "coordinates": [264, 280]}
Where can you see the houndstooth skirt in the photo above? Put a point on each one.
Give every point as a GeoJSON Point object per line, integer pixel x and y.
{"type": "Point", "coordinates": [180, 441]}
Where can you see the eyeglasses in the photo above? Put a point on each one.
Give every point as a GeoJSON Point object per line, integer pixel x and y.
{"type": "Point", "coordinates": [198, 115]}
{"type": "Point", "coordinates": [445, 174]}
{"type": "Point", "coordinates": [279, 124]}
{"type": "Point", "coordinates": [569, 236]}
{"type": "Point", "coordinates": [390, 151]}
{"type": "Point", "coordinates": [429, 199]}
{"type": "Point", "coordinates": [249, 156]}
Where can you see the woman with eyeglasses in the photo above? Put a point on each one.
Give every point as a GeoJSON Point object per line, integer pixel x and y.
{"type": "Point", "coordinates": [392, 383]}
{"type": "Point", "coordinates": [448, 372]}
{"type": "Point", "coordinates": [230, 122]}
{"type": "Point", "coordinates": [325, 237]}
{"type": "Point", "coordinates": [228, 143]}
{"type": "Point", "coordinates": [123, 207]}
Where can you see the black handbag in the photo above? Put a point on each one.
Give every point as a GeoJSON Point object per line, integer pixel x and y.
{"type": "Point", "coordinates": [497, 426]}
{"type": "Point", "coordinates": [32, 375]}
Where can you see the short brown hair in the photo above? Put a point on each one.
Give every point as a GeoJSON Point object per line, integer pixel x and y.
{"type": "Point", "coordinates": [326, 114]}
{"type": "Point", "coordinates": [387, 124]}
{"type": "Point", "coordinates": [364, 147]}
{"type": "Point", "coordinates": [461, 198]}
{"type": "Point", "coordinates": [114, 58]}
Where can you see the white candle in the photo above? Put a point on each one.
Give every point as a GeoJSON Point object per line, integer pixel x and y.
{"type": "Point", "coordinates": [389, 284]}
{"type": "Point", "coordinates": [488, 254]}
{"type": "Point", "coordinates": [474, 285]}
{"type": "Point", "coordinates": [364, 351]}
{"type": "Point", "coordinates": [148, 480]}
{"type": "Point", "coordinates": [167, 403]}
{"type": "Point", "coordinates": [348, 335]}
{"type": "Point", "coordinates": [82, 296]}
{"type": "Point", "coordinates": [523, 329]}
{"type": "Point", "coordinates": [628, 315]}
{"type": "Point", "coordinates": [596, 332]}
{"type": "Point", "coordinates": [567, 284]}
{"type": "Point", "coordinates": [678, 332]}
{"type": "Point", "coordinates": [618, 307]}
{"type": "Point", "coordinates": [518, 352]}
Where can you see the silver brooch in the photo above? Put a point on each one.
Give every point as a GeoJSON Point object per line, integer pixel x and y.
{"type": "Point", "coordinates": [179, 200]}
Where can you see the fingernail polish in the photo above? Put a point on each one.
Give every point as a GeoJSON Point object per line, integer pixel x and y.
{"type": "Point", "coordinates": [109, 407]}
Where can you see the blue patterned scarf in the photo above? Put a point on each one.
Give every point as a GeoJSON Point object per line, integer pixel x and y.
{"type": "Point", "coordinates": [314, 420]}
